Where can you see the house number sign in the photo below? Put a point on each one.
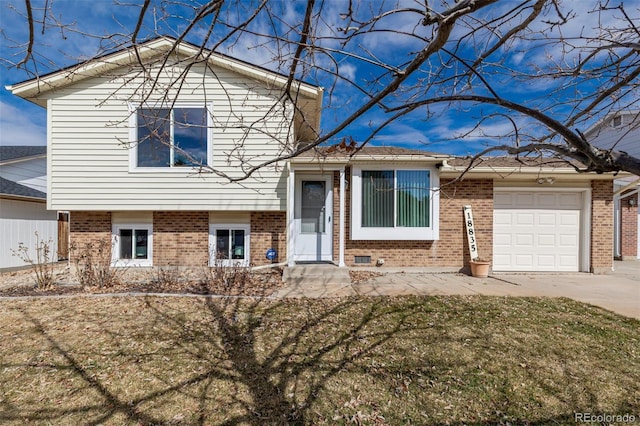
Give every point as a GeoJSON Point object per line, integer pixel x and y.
{"type": "Point", "coordinates": [471, 233]}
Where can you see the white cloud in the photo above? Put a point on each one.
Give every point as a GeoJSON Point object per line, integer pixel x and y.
{"type": "Point", "coordinates": [18, 126]}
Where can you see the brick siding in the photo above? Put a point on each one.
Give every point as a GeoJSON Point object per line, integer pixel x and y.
{"type": "Point", "coordinates": [180, 238]}
{"type": "Point", "coordinates": [601, 226]}
{"type": "Point", "coordinates": [268, 230]}
{"type": "Point", "coordinates": [88, 228]}
{"type": "Point", "coordinates": [451, 250]}
{"type": "Point", "coordinates": [629, 227]}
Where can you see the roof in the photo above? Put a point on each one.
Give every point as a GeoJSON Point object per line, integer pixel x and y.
{"type": "Point", "coordinates": [348, 153]}
{"type": "Point", "coordinates": [518, 168]}
{"type": "Point", "coordinates": [156, 47]}
{"type": "Point", "coordinates": [11, 153]}
{"type": "Point", "coordinates": [9, 187]}
{"type": "Point", "coordinates": [513, 162]}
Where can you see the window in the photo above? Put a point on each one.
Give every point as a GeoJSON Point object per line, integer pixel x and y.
{"type": "Point", "coordinates": [229, 245]}
{"type": "Point", "coordinates": [177, 137]}
{"type": "Point", "coordinates": [132, 245]}
{"type": "Point", "coordinates": [617, 121]}
{"type": "Point", "coordinates": [395, 204]}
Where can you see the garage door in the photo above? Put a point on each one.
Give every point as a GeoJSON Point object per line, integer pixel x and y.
{"type": "Point", "coordinates": [536, 231]}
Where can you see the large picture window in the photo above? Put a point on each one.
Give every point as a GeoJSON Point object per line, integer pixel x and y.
{"type": "Point", "coordinates": [172, 137]}
{"type": "Point", "coordinates": [394, 204]}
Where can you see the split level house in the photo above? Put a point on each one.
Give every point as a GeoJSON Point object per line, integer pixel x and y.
{"type": "Point", "coordinates": [175, 202]}
{"type": "Point", "coordinates": [621, 131]}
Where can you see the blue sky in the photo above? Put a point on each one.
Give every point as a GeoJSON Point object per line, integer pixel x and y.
{"type": "Point", "coordinates": [24, 123]}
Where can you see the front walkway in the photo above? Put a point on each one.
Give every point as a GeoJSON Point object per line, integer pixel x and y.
{"type": "Point", "coordinates": [618, 292]}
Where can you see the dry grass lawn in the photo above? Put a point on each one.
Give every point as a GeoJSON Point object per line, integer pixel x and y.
{"type": "Point", "coordinates": [410, 360]}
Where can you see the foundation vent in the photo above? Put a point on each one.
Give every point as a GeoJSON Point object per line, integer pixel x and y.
{"type": "Point", "coordinates": [362, 260]}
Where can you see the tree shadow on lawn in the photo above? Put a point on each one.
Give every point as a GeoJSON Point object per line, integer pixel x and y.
{"type": "Point", "coordinates": [255, 361]}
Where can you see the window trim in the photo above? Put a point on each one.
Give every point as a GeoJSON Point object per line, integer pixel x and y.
{"type": "Point", "coordinates": [115, 245]}
{"type": "Point", "coordinates": [358, 232]}
{"type": "Point", "coordinates": [133, 137]}
{"type": "Point", "coordinates": [213, 227]}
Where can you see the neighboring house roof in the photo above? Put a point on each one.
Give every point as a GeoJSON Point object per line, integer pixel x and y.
{"type": "Point", "coordinates": [11, 188]}
{"type": "Point", "coordinates": [13, 153]}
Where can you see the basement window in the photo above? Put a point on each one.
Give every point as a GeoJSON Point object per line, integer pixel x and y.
{"type": "Point", "coordinates": [229, 245]}
{"type": "Point", "coordinates": [132, 245]}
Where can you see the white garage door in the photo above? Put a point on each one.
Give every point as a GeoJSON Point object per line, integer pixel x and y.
{"type": "Point", "coordinates": [536, 231]}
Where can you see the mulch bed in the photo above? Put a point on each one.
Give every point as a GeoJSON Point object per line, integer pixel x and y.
{"type": "Point", "coordinates": [259, 283]}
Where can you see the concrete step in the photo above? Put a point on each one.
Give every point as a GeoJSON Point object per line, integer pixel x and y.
{"type": "Point", "coordinates": [313, 274]}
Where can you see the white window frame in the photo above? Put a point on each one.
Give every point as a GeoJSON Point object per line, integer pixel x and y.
{"type": "Point", "coordinates": [133, 137]}
{"type": "Point", "coordinates": [358, 232]}
{"type": "Point", "coordinates": [115, 245]}
{"type": "Point", "coordinates": [213, 227]}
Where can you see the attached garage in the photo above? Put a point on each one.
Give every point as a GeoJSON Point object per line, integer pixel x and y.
{"type": "Point", "coordinates": [540, 230]}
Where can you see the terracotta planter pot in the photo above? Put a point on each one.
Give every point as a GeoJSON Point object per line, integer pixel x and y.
{"type": "Point", "coordinates": [480, 268]}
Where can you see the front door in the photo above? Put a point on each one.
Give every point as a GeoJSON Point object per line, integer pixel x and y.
{"type": "Point", "coordinates": [313, 218]}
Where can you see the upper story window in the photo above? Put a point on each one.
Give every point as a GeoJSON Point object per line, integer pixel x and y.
{"type": "Point", "coordinates": [172, 137]}
{"type": "Point", "coordinates": [616, 121]}
{"type": "Point", "coordinates": [395, 204]}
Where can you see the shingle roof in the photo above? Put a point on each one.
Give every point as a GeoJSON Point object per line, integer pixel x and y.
{"type": "Point", "coordinates": [15, 152]}
{"type": "Point", "coordinates": [373, 151]}
{"type": "Point", "coordinates": [507, 161]}
{"type": "Point", "coordinates": [9, 187]}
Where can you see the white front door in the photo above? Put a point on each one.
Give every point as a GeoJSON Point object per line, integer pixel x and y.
{"type": "Point", "coordinates": [313, 217]}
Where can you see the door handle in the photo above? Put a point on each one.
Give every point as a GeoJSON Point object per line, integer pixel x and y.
{"type": "Point", "coordinates": [329, 220]}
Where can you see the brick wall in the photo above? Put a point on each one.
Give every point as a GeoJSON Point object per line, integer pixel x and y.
{"type": "Point", "coordinates": [451, 250]}
{"type": "Point", "coordinates": [89, 228]}
{"type": "Point", "coordinates": [601, 226]}
{"type": "Point", "coordinates": [180, 238]}
{"type": "Point", "coordinates": [268, 230]}
{"type": "Point", "coordinates": [629, 227]}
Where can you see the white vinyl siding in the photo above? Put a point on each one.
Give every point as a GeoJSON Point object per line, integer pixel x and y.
{"type": "Point", "coordinates": [621, 138]}
{"type": "Point", "coordinates": [89, 159]}
{"type": "Point", "coordinates": [19, 221]}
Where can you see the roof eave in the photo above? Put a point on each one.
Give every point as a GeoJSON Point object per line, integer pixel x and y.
{"type": "Point", "coordinates": [94, 67]}
{"type": "Point", "coordinates": [21, 159]}
{"type": "Point", "coordinates": [516, 173]}
{"type": "Point", "coordinates": [319, 159]}
{"type": "Point", "coordinates": [22, 198]}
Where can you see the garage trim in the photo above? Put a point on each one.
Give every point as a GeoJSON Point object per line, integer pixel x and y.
{"type": "Point", "coordinates": [585, 216]}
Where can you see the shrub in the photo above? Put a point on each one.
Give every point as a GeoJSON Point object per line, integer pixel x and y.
{"type": "Point", "coordinates": [93, 264]}
{"type": "Point", "coordinates": [42, 265]}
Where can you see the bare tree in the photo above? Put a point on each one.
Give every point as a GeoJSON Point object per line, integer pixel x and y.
{"type": "Point", "coordinates": [534, 74]}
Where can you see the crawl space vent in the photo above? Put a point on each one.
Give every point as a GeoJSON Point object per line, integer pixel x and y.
{"type": "Point", "coordinates": [363, 260]}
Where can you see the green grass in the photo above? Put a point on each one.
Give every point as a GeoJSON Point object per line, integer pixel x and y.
{"type": "Point", "coordinates": [410, 360]}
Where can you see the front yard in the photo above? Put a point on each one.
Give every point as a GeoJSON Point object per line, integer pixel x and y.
{"type": "Point", "coordinates": [409, 360]}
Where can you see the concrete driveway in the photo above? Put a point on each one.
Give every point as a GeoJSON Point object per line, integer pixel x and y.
{"type": "Point", "coordinates": [618, 292]}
